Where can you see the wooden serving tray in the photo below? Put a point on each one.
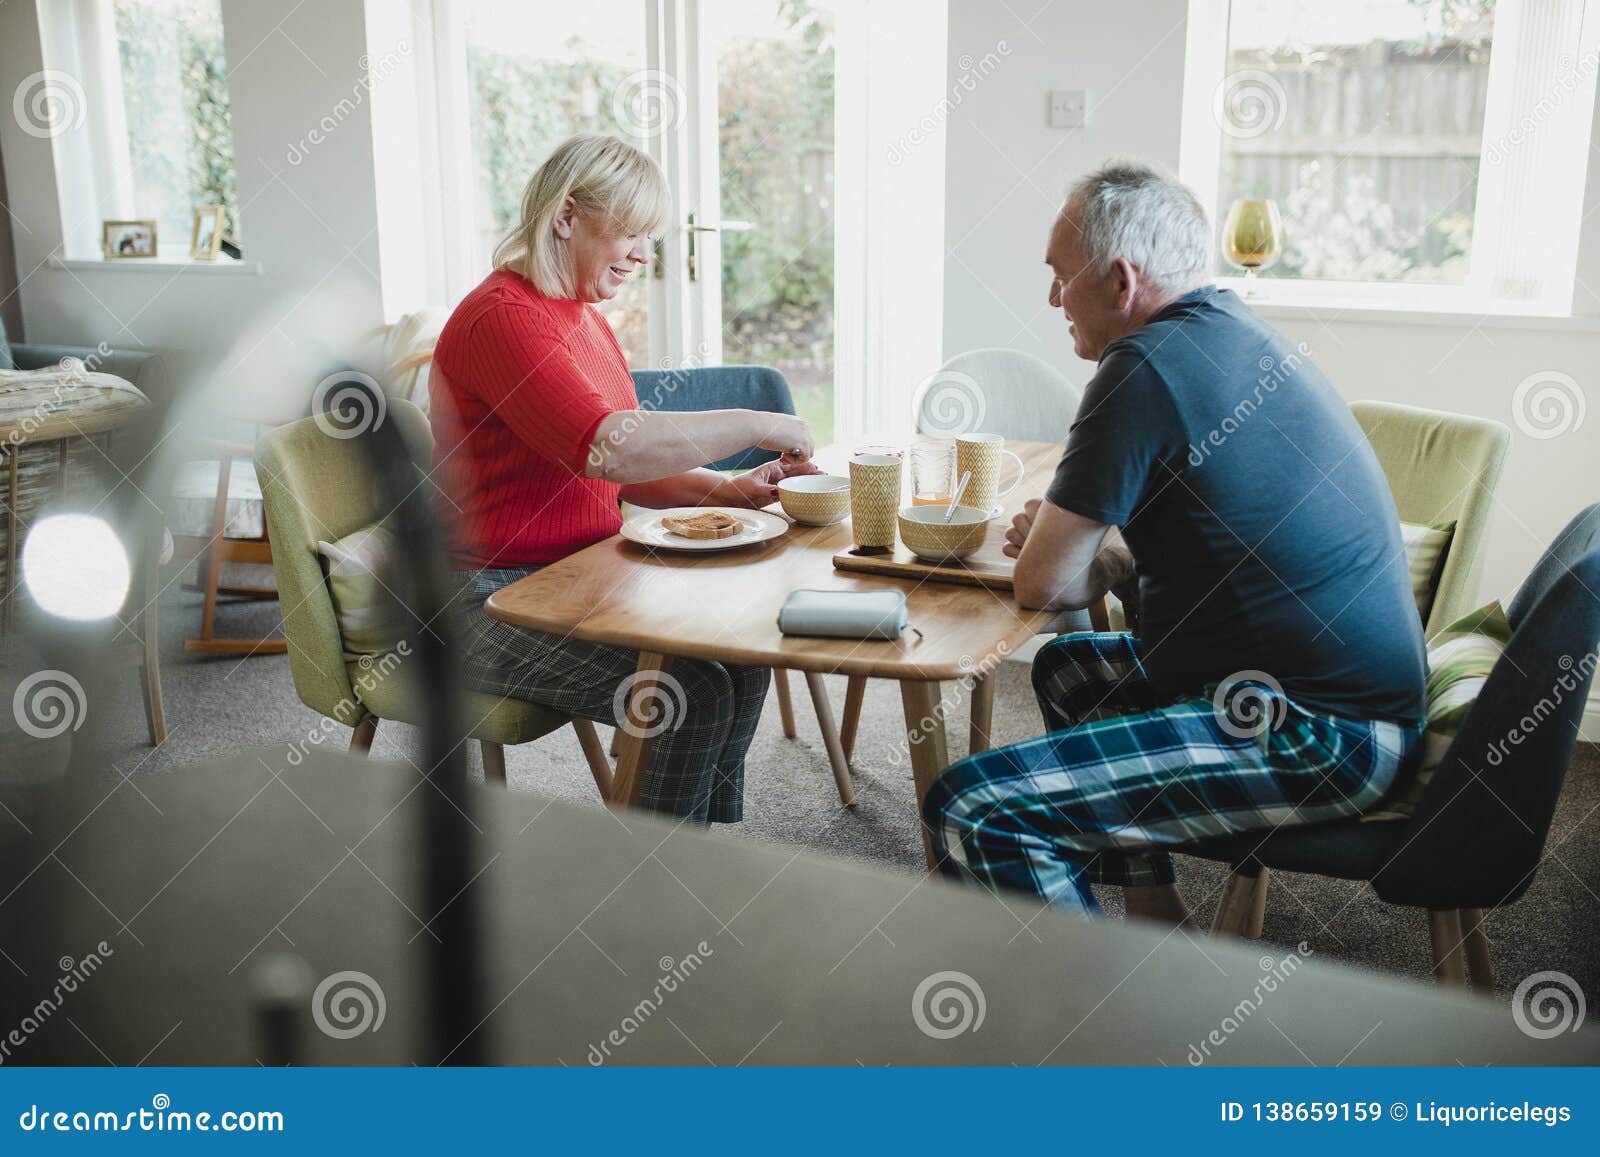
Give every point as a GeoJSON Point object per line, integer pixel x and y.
{"type": "Point", "coordinates": [995, 575]}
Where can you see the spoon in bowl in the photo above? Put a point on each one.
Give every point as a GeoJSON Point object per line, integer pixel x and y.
{"type": "Point", "coordinates": [961, 488]}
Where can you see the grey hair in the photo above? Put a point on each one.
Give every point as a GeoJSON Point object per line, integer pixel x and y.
{"type": "Point", "coordinates": [1129, 210]}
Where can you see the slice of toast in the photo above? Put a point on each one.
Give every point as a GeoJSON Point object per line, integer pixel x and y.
{"type": "Point", "coordinates": [711, 524]}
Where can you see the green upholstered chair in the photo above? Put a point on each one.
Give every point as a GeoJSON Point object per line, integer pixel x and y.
{"type": "Point", "coordinates": [318, 487]}
{"type": "Point", "coordinates": [1441, 468]}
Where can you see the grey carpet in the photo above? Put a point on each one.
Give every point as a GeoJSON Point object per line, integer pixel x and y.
{"type": "Point", "coordinates": [218, 705]}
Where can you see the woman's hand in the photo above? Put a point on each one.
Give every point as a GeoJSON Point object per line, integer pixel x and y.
{"type": "Point", "coordinates": [787, 434]}
{"type": "Point", "coordinates": [759, 487]}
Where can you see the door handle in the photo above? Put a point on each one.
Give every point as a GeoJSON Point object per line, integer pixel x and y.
{"type": "Point", "coordinates": [694, 229]}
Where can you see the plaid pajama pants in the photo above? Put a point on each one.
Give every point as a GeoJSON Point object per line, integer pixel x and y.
{"type": "Point", "coordinates": [711, 710]}
{"type": "Point", "coordinates": [1124, 771]}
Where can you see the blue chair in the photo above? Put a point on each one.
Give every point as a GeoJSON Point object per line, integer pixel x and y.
{"type": "Point", "coordinates": [1478, 832]}
{"type": "Point", "coordinates": [752, 388]}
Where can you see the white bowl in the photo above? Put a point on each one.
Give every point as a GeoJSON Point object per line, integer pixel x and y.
{"type": "Point", "coordinates": [927, 535]}
{"type": "Point", "coordinates": [815, 499]}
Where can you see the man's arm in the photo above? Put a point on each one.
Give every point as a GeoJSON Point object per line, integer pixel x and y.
{"type": "Point", "coordinates": [1064, 560]}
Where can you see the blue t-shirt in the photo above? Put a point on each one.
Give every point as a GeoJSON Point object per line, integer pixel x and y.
{"type": "Point", "coordinates": [1259, 520]}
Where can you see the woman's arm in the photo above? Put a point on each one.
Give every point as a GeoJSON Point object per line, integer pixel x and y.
{"type": "Point", "coordinates": [691, 488]}
{"type": "Point", "coordinates": [633, 446]}
{"type": "Point", "coordinates": [754, 488]}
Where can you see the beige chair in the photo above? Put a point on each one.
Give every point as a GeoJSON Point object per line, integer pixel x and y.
{"type": "Point", "coordinates": [1441, 468]}
{"type": "Point", "coordinates": [317, 487]}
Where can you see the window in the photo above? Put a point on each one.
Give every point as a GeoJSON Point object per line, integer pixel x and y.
{"type": "Point", "coordinates": [154, 136]}
{"type": "Point", "coordinates": [175, 99]}
{"type": "Point", "coordinates": [1406, 143]}
{"type": "Point", "coordinates": [535, 76]}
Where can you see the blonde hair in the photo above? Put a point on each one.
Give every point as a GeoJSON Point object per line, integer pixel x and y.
{"type": "Point", "coordinates": [602, 174]}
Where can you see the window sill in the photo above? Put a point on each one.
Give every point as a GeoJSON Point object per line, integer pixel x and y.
{"type": "Point", "coordinates": [1323, 302]}
{"type": "Point", "coordinates": [164, 263]}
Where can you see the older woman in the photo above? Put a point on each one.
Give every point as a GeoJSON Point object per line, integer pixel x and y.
{"type": "Point", "coordinates": [536, 421]}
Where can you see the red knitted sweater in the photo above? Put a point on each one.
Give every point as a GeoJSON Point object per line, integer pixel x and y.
{"type": "Point", "coordinates": [519, 383]}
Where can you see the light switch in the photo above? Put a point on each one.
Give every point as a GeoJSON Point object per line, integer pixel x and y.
{"type": "Point", "coordinates": [1069, 108]}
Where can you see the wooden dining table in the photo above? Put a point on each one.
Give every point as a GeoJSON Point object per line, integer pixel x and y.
{"type": "Point", "coordinates": [723, 606]}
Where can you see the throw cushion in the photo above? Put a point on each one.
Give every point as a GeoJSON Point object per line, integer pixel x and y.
{"type": "Point", "coordinates": [1426, 549]}
{"type": "Point", "coordinates": [1460, 658]}
{"type": "Point", "coordinates": [371, 618]}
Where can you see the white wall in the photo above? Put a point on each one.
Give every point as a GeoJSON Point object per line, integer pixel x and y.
{"type": "Point", "coordinates": [311, 226]}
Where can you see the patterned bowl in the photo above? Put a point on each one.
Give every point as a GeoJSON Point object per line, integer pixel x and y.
{"type": "Point", "coordinates": [815, 499]}
{"type": "Point", "coordinates": [927, 535]}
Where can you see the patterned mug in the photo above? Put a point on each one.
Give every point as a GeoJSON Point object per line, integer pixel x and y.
{"type": "Point", "coordinates": [981, 454]}
{"type": "Point", "coordinates": [874, 499]}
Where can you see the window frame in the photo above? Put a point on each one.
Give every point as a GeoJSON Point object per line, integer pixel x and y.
{"type": "Point", "coordinates": [1201, 142]}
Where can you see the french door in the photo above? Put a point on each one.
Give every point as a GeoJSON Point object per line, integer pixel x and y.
{"type": "Point", "coordinates": [735, 100]}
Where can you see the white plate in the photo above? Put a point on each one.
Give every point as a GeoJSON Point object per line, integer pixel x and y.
{"type": "Point", "coordinates": [755, 526]}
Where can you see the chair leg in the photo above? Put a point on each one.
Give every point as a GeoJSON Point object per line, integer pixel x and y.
{"type": "Point", "coordinates": [616, 742]}
{"type": "Point", "coordinates": [361, 738]}
{"type": "Point", "coordinates": [780, 683]}
{"type": "Point", "coordinates": [830, 739]}
{"type": "Point", "coordinates": [855, 690]}
{"type": "Point", "coordinates": [1258, 907]}
{"type": "Point", "coordinates": [1475, 938]}
{"type": "Point", "coordinates": [494, 762]}
{"type": "Point", "coordinates": [595, 753]}
{"type": "Point", "coordinates": [1238, 901]}
{"type": "Point", "coordinates": [155, 716]}
{"type": "Point", "coordinates": [1444, 932]}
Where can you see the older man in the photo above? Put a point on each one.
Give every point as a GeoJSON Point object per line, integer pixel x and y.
{"type": "Point", "coordinates": [1218, 485]}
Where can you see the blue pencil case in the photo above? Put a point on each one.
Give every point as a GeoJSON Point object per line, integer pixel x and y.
{"type": "Point", "coordinates": [844, 614]}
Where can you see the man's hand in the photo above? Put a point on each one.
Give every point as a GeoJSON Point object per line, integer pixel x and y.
{"type": "Point", "coordinates": [1118, 562]}
{"type": "Point", "coordinates": [1021, 526]}
{"type": "Point", "coordinates": [759, 487]}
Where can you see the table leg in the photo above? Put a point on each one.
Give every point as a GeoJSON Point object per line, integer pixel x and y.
{"type": "Point", "coordinates": [634, 741]}
{"type": "Point", "coordinates": [854, 692]}
{"type": "Point", "coordinates": [1100, 615]}
{"type": "Point", "coordinates": [830, 738]}
{"type": "Point", "coordinates": [780, 683]}
{"type": "Point", "coordinates": [982, 713]}
{"type": "Point", "coordinates": [924, 712]}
